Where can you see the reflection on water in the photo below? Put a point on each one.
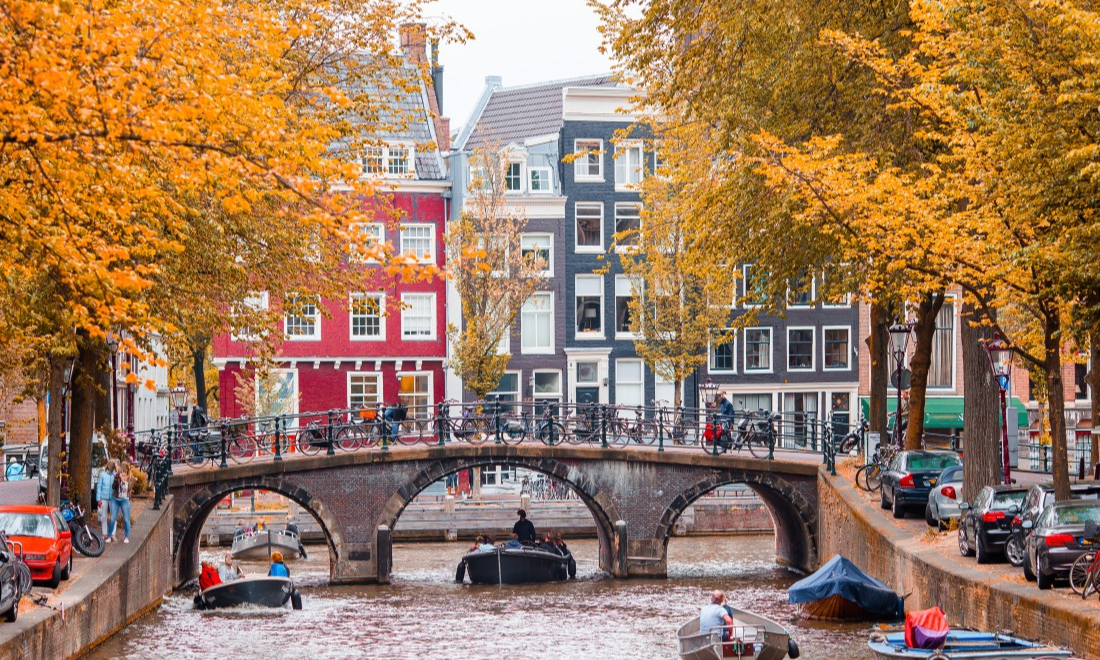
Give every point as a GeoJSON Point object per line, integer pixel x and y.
{"type": "Point", "coordinates": [424, 613]}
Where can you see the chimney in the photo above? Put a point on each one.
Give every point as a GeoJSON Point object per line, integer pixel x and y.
{"type": "Point", "coordinates": [437, 75]}
{"type": "Point", "coordinates": [414, 42]}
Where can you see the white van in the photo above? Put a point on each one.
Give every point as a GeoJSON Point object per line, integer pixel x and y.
{"type": "Point", "coordinates": [99, 461]}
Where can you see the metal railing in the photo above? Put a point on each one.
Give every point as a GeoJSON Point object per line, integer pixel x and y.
{"type": "Point", "coordinates": [226, 442]}
{"type": "Point", "coordinates": [1040, 457]}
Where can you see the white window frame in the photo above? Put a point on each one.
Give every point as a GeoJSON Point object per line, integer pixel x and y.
{"type": "Point", "coordinates": [812, 298]}
{"type": "Point", "coordinates": [771, 350]}
{"type": "Point", "coordinates": [430, 389]}
{"type": "Point", "coordinates": [256, 301]}
{"type": "Point", "coordinates": [576, 234]}
{"type": "Point", "coordinates": [637, 238]}
{"type": "Point", "coordinates": [549, 309]}
{"type": "Point", "coordinates": [840, 305]}
{"type": "Point", "coordinates": [406, 307]}
{"type": "Point", "coordinates": [521, 178]}
{"type": "Point", "coordinates": [545, 174]}
{"type": "Point", "coordinates": [376, 375]}
{"type": "Point", "coordinates": [745, 269]}
{"type": "Point", "coordinates": [589, 334]}
{"type": "Point", "coordinates": [381, 298]}
{"type": "Point", "coordinates": [732, 344]}
{"type": "Point", "coordinates": [385, 155]}
{"type": "Point", "coordinates": [523, 242]}
{"type": "Point", "coordinates": [430, 259]}
{"type": "Point", "coordinates": [587, 177]}
{"type": "Point", "coordinates": [848, 350]}
{"type": "Point", "coordinates": [518, 392]}
{"type": "Point", "coordinates": [623, 279]}
{"type": "Point", "coordinates": [535, 394]}
{"type": "Point", "coordinates": [376, 231]}
{"type": "Point", "coordinates": [315, 336]}
{"type": "Point", "coordinates": [952, 300]}
{"type": "Point", "coordinates": [813, 348]}
{"type": "Point", "coordinates": [619, 383]}
{"type": "Point", "coordinates": [623, 150]}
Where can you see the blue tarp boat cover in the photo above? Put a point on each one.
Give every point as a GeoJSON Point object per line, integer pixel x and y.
{"type": "Point", "coordinates": [840, 577]}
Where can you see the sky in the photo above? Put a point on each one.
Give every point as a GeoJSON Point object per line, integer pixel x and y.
{"type": "Point", "coordinates": [523, 41]}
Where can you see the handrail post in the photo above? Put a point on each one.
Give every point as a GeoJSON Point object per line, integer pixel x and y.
{"type": "Point", "coordinates": [278, 438]}
{"type": "Point", "coordinates": [603, 425]}
{"type": "Point", "coordinates": [550, 422]}
{"type": "Point", "coordinates": [385, 427]}
{"type": "Point", "coordinates": [813, 432]}
{"type": "Point", "coordinates": [713, 432]}
{"type": "Point", "coordinates": [660, 412]}
{"type": "Point", "coordinates": [771, 437]}
{"type": "Point", "coordinates": [496, 420]}
{"type": "Point", "coordinates": [168, 455]}
{"type": "Point", "coordinates": [223, 431]}
{"type": "Point", "coordinates": [330, 434]}
{"type": "Point", "coordinates": [441, 422]}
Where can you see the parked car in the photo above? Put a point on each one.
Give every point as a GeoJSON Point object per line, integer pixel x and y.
{"type": "Point", "coordinates": [1056, 539]}
{"type": "Point", "coordinates": [99, 461]}
{"type": "Point", "coordinates": [47, 541]}
{"type": "Point", "coordinates": [1038, 497]}
{"type": "Point", "coordinates": [9, 583]}
{"type": "Point", "coordinates": [985, 525]}
{"type": "Point", "coordinates": [909, 478]}
{"type": "Point", "coordinates": [943, 501]}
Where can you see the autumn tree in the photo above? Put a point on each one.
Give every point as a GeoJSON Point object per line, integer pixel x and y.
{"type": "Point", "coordinates": [491, 272]}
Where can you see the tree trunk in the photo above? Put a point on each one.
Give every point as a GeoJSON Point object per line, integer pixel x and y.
{"type": "Point", "coordinates": [1056, 399]}
{"type": "Point", "coordinates": [56, 427]}
{"type": "Point", "coordinates": [678, 396]}
{"type": "Point", "coordinates": [85, 382]}
{"type": "Point", "coordinates": [921, 362]}
{"type": "Point", "coordinates": [198, 346]}
{"type": "Point", "coordinates": [878, 341]}
{"type": "Point", "coordinates": [981, 408]}
{"type": "Point", "coordinates": [1094, 382]}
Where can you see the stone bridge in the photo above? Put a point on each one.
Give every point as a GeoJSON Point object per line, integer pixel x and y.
{"type": "Point", "coordinates": [635, 497]}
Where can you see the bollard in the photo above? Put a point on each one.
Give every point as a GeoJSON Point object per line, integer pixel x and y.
{"type": "Point", "coordinates": [223, 431]}
{"type": "Point", "coordinates": [441, 423]}
{"type": "Point", "coordinates": [449, 504]}
{"type": "Point", "coordinates": [278, 438]}
{"type": "Point", "coordinates": [661, 429]}
{"type": "Point", "coordinates": [384, 551]}
{"type": "Point", "coordinates": [525, 501]}
{"type": "Point", "coordinates": [330, 438]}
{"type": "Point", "coordinates": [168, 456]}
{"type": "Point", "coordinates": [496, 421]}
{"type": "Point", "coordinates": [621, 569]}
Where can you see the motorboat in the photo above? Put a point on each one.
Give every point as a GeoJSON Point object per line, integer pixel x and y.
{"type": "Point", "coordinates": [263, 590]}
{"type": "Point", "coordinates": [515, 566]}
{"type": "Point", "coordinates": [839, 590]}
{"type": "Point", "coordinates": [750, 636]}
{"type": "Point", "coordinates": [261, 544]}
{"type": "Point", "coordinates": [961, 644]}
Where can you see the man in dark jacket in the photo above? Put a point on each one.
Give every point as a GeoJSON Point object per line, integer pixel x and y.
{"type": "Point", "coordinates": [524, 528]}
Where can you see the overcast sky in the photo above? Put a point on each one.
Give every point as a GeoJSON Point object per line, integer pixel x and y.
{"type": "Point", "coordinates": [523, 41]}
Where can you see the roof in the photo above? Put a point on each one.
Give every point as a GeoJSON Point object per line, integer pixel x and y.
{"type": "Point", "coordinates": [514, 113]}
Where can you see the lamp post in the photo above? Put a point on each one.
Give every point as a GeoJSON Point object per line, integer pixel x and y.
{"type": "Point", "coordinates": [112, 345]}
{"type": "Point", "coordinates": [1000, 361]}
{"type": "Point", "coordinates": [709, 388]}
{"type": "Point", "coordinates": [178, 396]}
{"type": "Point", "coordinates": [899, 342]}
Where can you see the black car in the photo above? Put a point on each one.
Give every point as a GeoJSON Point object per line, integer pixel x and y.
{"type": "Point", "coordinates": [1056, 539]}
{"type": "Point", "coordinates": [909, 478]}
{"type": "Point", "coordinates": [1038, 497]}
{"type": "Point", "coordinates": [10, 592]}
{"type": "Point", "coordinates": [985, 525]}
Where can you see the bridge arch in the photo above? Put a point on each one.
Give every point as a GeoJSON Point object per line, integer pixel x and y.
{"type": "Point", "coordinates": [603, 509]}
{"type": "Point", "coordinates": [794, 517]}
{"type": "Point", "coordinates": [191, 515]}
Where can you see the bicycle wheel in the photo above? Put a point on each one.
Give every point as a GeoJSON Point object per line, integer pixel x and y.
{"type": "Point", "coordinates": [758, 445]}
{"type": "Point", "coordinates": [513, 432]}
{"type": "Point", "coordinates": [473, 430]}
{"type": "Point", "coordinates": [644, 432]}
{"type": "Point", "coordinates": [557, 437]}
{"type": "Point", "coordinates": [873, 477]}
{"type": "Point", "coordinates": [24, 577]}
{"type": "Point", "coordinates": [195, 454]}
{"type": "Point", "coordinates": [848, 443]}
{"type": "Point", "coordinates": [1079, 573]}
{"type": "Point", "coordinates": [617, 433]}
{"type": "Point", "coordinates": [310, 441]}
{"type": "Point", "coordinates": [349, 438]}
{"type": "Point", "coordinates": [1091, 578]}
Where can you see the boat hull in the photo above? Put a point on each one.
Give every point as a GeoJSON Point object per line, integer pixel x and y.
{"type": "Point", "coordinates": [966, 645]}
{"type": "Point", "coordinates": [754, 637]}
{"type": "Point", "coordinates": [266, 591]}
{"type": "Point", "coordinates": [260, 546]}
{"type": "Point", "coordinates": [513, 566]}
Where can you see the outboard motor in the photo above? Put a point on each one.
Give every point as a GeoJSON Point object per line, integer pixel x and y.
{"type": "Point", "coordinates": [460, 574]}
{"type": "Point", "coordinates": [792, 648]}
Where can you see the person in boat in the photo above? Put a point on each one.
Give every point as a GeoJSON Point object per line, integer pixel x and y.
{"type": "Point", "coordinates": [227, 571]}
{"type": "Point", "coordinates": [488, 544]}
{"type": "Point", "coordinates": [239, 530]}
{"type": "Point", "coordinates": [478, 542]}
{"type": "Point", "coordinates": [559, 543]}
{"type": "Point", "coordinates": [513, 543]}
{"type": "Point", "coordinates": [292, 528]}
{"type": "Point", "coordinates": [524, 528]}
{"type": "Point", "coordinates": [714, 617]}
{"type": "Point", "coordinates": [547, 543]}
{"type": "Point", "coordinates": [209, 575]}
{"type": "Point", "coordinates": [278, 568]}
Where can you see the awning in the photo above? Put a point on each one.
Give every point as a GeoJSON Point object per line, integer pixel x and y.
{"type": "Point", "coordinates": [945, 412]}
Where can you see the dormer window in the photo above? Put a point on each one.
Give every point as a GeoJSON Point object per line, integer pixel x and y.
{"type": "Point", "coordinates": [513, 177]}
{"type": "Point", "coordinates": [388, 161]}
{"type": "Point", "coordinates": [540, 181]}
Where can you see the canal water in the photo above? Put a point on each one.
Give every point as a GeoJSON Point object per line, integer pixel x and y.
{"type": "Point", "coordinates": [424, 614]}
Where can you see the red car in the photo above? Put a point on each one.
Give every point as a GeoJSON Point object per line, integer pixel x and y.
{"type": "Point", "coordinates": [47, 541]}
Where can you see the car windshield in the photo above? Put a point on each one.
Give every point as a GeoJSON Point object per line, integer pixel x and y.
{"type": "Point", "coordinates": [1005, 501]}
{"type": "Point", "coordinates": [1076, 515]}
{"type": "Point", "coordinates": [931, 461]}
{"type": "Point", "coordinates": [27, 524]}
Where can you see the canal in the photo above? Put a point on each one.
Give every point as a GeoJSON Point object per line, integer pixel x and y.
{"type": "Point", "coordinates": [423, 613]}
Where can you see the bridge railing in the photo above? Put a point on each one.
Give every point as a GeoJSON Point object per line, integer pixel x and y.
{"type": "Point", "coordinates": [225, 442]}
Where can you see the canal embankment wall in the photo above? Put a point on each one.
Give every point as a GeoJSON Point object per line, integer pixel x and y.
{"type": "Point", "coordinates": [850, 525]}
{"type": "Point", "coordinates": [118, 588]}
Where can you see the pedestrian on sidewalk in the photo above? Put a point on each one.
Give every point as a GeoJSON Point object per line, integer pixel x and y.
{"type": "Point", "coordinates": [103, 494]}
{"type": "Point", "coordinates": [121, 502]}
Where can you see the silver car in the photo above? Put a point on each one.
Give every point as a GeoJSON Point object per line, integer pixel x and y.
{"type": "Point", "coordinates": [943, 501]}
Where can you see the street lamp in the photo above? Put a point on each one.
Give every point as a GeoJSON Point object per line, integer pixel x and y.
{"type": "Point", "coordinates": [709, 388]}
{"type": "Point", "coordinates": [112, 345]}
{"type": "Point", "coordinates": [899, 342]}
{"type": "Point", "coordinates": [1000, 361]}
{"type": "Point", "coordinates": [178, 397]}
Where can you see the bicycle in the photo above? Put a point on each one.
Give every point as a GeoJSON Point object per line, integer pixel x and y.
{"type": "Point", "coordinates": [548, 432]}
{"type": "Point", "coordinates": [584, 424]}
{"type": "Point", "coordinates": [472, 427]}
{"type": "Point", "coordinates": [640, 430]}
{"type": "Point", "coordinates": [364, 433]}
{"type": "Point", "coordinates": [1084, 574]}
{"type": "Point", "coordinates": [754, 432]}
{"type": "Point", "coordinates": [854, 438]}
{"type": "Point", "coordinates": [676, 428]}
{"type": "Point", "coordinates": [869, 476]}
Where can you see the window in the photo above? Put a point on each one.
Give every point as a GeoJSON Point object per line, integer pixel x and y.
{"type": "Point", "coordinates": [374, 159]}
{"type": "Point", "coordinates": [941, 374]}
{"type": "Point", "coordinates": [418, 316]}
{"type": "Point", "coordinates": [513, 177]}
{"type": "Point", "coordinates": [837, 348]}
{"type": "Point", "coordinates": [800, 349]}
{"type": "Point", "coordinates": [629, 386]}
{"type": "Point", "coordinates": [1080, 382]}
{"type": "Point", "coordinates": [589, 165]}
{"type": "Point", "coordinates": [547, 384]}
{"type": "Point", "coordinates": [368, 234]}
{"type": "Point", "coordinates": [537, 324]}
{"type": "Point", "coordinates": [800, 291]}
{"type": "Point", "coordinates": [419, 241]}
{"type": "Point", "coordinates": [303, 320]}
{"type": "Point", "coordinates": [589, 305]}
{"type": "Point", "coordinates": [539, 181]}
{"type": "Point", "coordinates": [414, 390]}
{"type": "Point", "coordinates": [751, 287]}
{"type": "Point", "coordinates": [723, 356]}
{"type": "Point", "coordinates": [388, 161]}
{"type": "Point", "coordinates": [752, 401]}
{"type": "Point", "coordinates": [253, 302]}
{"type": "Point", "coordinates": [365, 316]}
{"type": "Point", "coordinates": [842, 301]}
{"type": "Point", "coordinates": [629, 165]}
{"type": "Point", "coordinates": [628, 218]}
{"type": "Point", "coordinates": [840, 406]}
{"type": "Point", "coordinates": [799, 408]}
{"type": "Point", "coordinates": [589, 227]}
{"type": "Point", "coordinates": [758, 349]}
{"type": "Point", "coordinates": [364, 390]}
{"type": "Point", "coordinates": [399, 161]}
{"type": "Point", "coordinates": [507, 390]}
{"type": "Point", "coordinates": [538, 246]}
{"type": "Point", "coordinates": [624, 293]}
